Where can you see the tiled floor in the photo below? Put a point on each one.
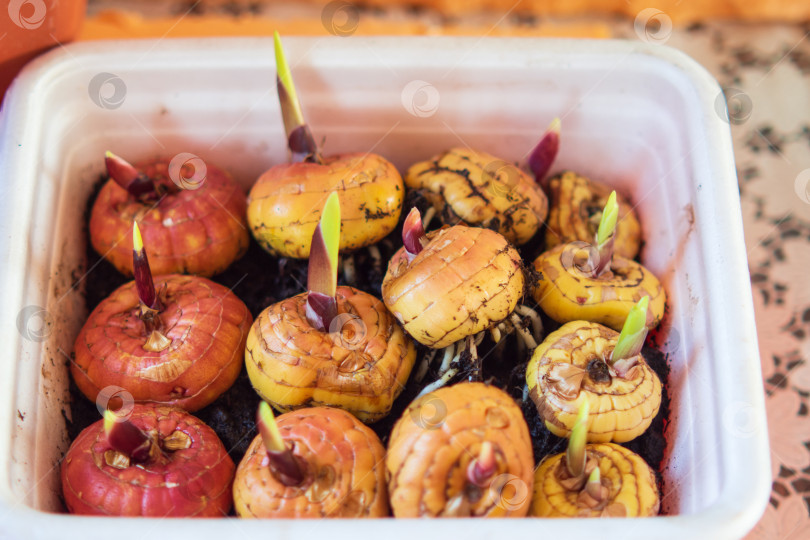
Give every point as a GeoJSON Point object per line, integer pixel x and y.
{"type": "Point", "coordinates": [766, 71]}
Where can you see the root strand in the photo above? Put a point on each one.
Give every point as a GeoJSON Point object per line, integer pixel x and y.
{"type": "Point", "coordinates": [428, 217]}
{"type": "Point", "coordinates": [348, 270]}
{"type": "Point", "coordinates": [374, 251]}
{"type": "Point", "coordinates": [423, 367]}
{"type": "Point", "coordinates": [444, 379]}
{"type": "Point", "coordinates": [537, 323]}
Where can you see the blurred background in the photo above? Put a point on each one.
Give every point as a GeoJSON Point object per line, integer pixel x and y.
{"type": "Point", "coordinates": [758, 50]}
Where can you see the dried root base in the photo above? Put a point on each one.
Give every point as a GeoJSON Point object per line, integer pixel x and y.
{"type": "Point", "coordinates": [526, 340]}
{"type": "Point", "coordinates": [451, 359]}
{"type": "Point", "coordinates": [451, 355]}
{"type": "Point", "coordinates": [444, 379]}
{"type": "Point", "coordinates": [376, 257]}
{"type": "Point", "coordinates": [349, 272]}
{"type": "Point", "coordinates": [423, 367]}
{"type": "Point", "coordinates": [536, 322]}
{"type": "Point", "coordinates": [428, 217]}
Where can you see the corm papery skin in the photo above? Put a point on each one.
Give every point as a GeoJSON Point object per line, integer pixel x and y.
{"type": "Point", "coordinates": [285, 204]}
{"type": "Point", "coordinates": [575, 202]}
{"type": "Point", "coordinates": [189, 482]}
{"type": "Point", "coordinates": [619, 410]}
{"type": "Point", "coordinates": [481, 190]}
{"type": "Point", "coordinates": [342, 461]}
{"type": "Point", "coordinates": [463, 281]}
{"type": "Point", "coordinates": [436, 439]}
{"type": "Point", "coordinates": [566, 291]}
{"type": "Point", "coordinates": [206, 323]}
{"type": "Point", "coordinates": [188, 231]}
{"type": "Point", "coordinates": [360, 364]}
{"type": "Point", "coordinates": [632, 490]}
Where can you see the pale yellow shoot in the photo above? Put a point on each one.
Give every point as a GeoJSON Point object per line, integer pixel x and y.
{"type": "Point", "coordinates": [607, 225]}
{"type": "Point", "coordinates": [271, 436]}
{"type": "Point", "coordinates": [575, 455]}
{"type": "Point", "coordinates": [330, 228]}
{"type": "Point", "coordinates": [137, 241]}
{"type": "Point", "coordinates": [285, 78]}
{"type": "Point", "coordinates": [110, 419]}
{"type": "Point", "coordinates": [554, 126]}
{"type": "Point", "coordinates": [595, 476]}
{"type": "Point", "coordinates": [633, 332]}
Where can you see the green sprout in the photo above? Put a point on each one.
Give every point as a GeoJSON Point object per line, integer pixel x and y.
{"type": "Point", "coordinates": [633, 333]}
{"type": "Point", "coordinates": [282, 462]}
{"type": "Point", "coordinates": [575, 454]}
{"type": "Point", "coordinates": [605, 235]}
{"type": "Point", "coordinates": [607, 225]}
{"type": "Point", "coordinates": [323, 266]}
{"type": "Point", "coordinates": [299, 137]}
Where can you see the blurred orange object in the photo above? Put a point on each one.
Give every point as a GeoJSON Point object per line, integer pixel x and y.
{"type": "Point", "coordinates": [117, 24]}
{"type": "Point", "coordinates": [32, 27]}
{"type": "Point", "coordinates": [678, 11]}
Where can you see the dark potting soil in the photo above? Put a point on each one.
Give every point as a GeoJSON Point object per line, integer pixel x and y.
{"type": "Point", "coordinates": [260, 279]}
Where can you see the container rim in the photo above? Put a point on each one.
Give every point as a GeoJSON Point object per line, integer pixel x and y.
{"type": "Point", "coordinates": [743, 497]}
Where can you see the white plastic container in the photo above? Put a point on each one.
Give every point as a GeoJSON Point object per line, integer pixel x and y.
{"type": "Point", "coordinates": [643, 118]}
